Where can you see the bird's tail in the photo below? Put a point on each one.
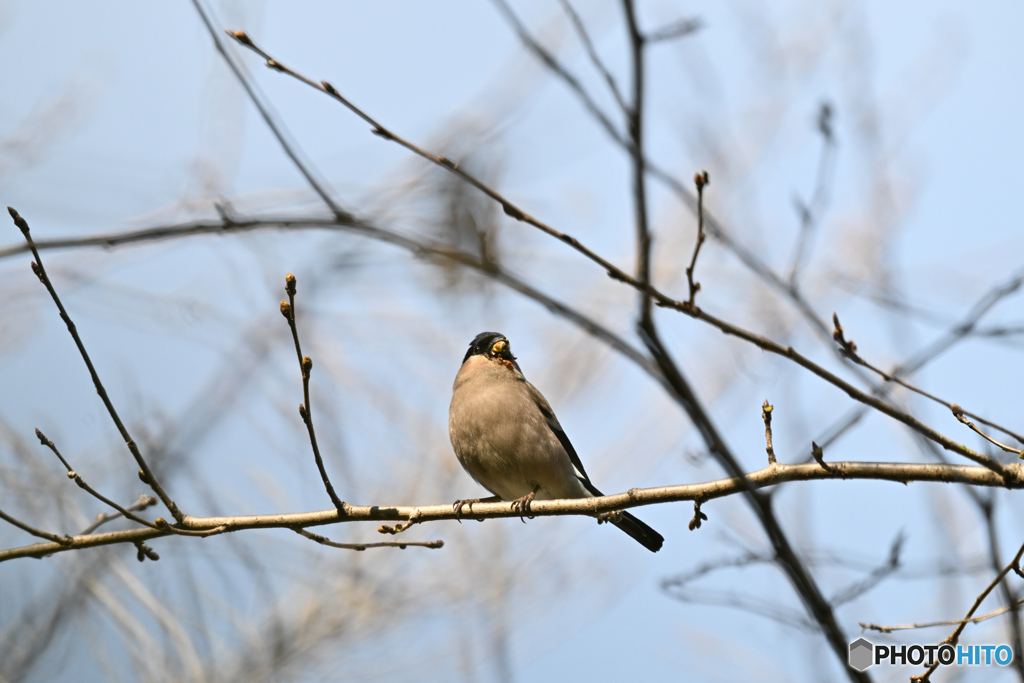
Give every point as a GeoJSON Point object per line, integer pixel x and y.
{"type": "Point", "coordinates": [641, 533]}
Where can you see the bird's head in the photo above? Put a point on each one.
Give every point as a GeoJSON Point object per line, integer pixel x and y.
{"type": "Point", "coordinates": [491, 345]}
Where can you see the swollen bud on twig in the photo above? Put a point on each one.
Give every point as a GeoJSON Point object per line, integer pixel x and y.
{"type": "Point", "coordinates": [307, 365]}
{"type": "Point", "coordinates": [240, 36]}
{"type": "Point", "coordinates": [145, 551]}
{"type": "Point", "coordinates": [289, 284]}
{"type": "Point", "coordinates": [329, 88]}
{"type": "Point", "coordinates": [143, 478]}
{"type": "Point", "coordinates": [302, 412]}
{"type": "Point", "coordinates": [701, 179]}
{"type": "Point", "coordinates": [698, 516]}
{"type": "Point", "coordinates": [18, 220]}
{"type": "Point", "coordinates": [286, 309]}
{"type": "Point", "coordinates": [819, 455]}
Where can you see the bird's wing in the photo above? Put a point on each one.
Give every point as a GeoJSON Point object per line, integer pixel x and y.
{"type": "Point", "coordinates": [556, 428]}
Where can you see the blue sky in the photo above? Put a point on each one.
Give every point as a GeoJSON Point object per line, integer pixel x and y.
{"type": "Point", "coordinates": [119, 115]}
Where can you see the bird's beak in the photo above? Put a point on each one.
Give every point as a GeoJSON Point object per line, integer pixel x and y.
{"type": "Point", "coordinates": [501, 349]}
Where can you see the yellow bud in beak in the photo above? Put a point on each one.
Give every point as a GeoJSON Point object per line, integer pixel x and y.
{"type": "Point", "coordinates": [499, 347]}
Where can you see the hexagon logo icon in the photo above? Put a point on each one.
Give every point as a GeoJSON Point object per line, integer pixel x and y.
{"type": "Point", "coordinates": [862, 654]}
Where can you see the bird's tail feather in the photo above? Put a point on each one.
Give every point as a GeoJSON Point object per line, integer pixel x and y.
{"type": "Point", "coordinates": [641, 533]}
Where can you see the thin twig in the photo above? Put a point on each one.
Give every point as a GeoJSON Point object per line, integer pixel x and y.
{"type": "Point", "coordinates": [849, 349]}
{"type": "Point", "coordinates": [902, 473]}
{"type": "Point", "coordinates": [932, 624]}
{"type": "Point", "coordinates": [959, 414]}
{"type": "Point", "coordinates": [362, 228]}
{"type": "Point", "coordinates": [102, 518]}
{"type": "Point", "coordinates": [63, 541]}
{"type": "Point", "coordinates": [956, 333]}
{"type": "Point", "coordinates": [552, 63]}
{"type": "Point", "coordinates": [323, 540]}
{"type": "Point", "coordinates": [766, 415]}
{"type": "Point", "coordinates": [595, 59]}
{"type": "Point", "coordinates": [677, 29]}
{"type": "Point", "coordinates": [145, 473]}
{"type": "Point", "coordinates": [788, 560]}
{"type": "Point", "coordinates": [715, 227]}
{"type": "Point", "coordinates": [953, 637]}
{"type": "Point", "coordinates": [875, 577]}
{"type": "Point", "coordinates": [72, 474]}
{"type": "Point", "coordinates": [305, 410]}
{"type": "Point", "coordinates": [811, 212]}
{"type": "Point", "coordinates": [1010, 600]}
{"type": "Point", "coordinates": [277, 128]}
{"type": "Point", "coordinates": [700, 180]}
{"type": "Point", "coordinates": [618, 274]}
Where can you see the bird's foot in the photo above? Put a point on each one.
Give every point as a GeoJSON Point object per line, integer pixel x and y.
{"type": "Point", "coordinates": [459, 504]}
{"type": "Point", "coordinates": [522, 505]}
{"type": "Point", "coordinates": [610, 517]}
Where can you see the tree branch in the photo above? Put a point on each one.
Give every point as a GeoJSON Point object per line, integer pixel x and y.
{"type": "Point", "coordinates": [902, 473]}
{"type": "Point", "coordinates": [145, 473]}
{"type": "Point", "coordinates": [305, 409]}
{"type": "Point", "coordinates": [616, 273]}
{"type": "Point", "coordinates": [276, 128]}
{"type": "Point", "coordinates": [953, 637]}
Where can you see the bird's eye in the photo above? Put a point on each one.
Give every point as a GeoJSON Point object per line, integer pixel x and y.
{"type": "Point", "coordinates": [499, 347]}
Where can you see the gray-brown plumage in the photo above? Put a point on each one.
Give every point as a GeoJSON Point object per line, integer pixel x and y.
{"type": "Point", "coordinates": [508, 439]}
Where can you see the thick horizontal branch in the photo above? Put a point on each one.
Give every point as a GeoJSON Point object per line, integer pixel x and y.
{"type": "Point", "coordinates": [776, 474]}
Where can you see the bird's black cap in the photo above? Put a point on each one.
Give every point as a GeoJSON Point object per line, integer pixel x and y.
{"type": "Point", "coordinates": [483, 345]}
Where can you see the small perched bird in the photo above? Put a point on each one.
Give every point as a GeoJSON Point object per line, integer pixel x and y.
{"type": "Point", "coordinates": [507, 437]}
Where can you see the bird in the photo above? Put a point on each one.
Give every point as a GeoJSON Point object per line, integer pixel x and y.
{"type": "Point", "coordinates": [506, 437]}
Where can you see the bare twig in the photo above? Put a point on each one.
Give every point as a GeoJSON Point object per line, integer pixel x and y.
{"type": "Point", "coordinates": [876, 576]}
{"type": "Point", "coordinates": [72, 474]}
{"type": "Point", "coordinates": [959, 414]}
{"type": "Point", "coordinates": [811, 212]}
{"type": "Point", "coordinates": [766, 415]}
{"type": "Point", "coordinates": [62, 541]}
{"type": "Point", "coordinates": [931, 624]}
{"type": "Point", "coordinates": [362, 228]}
{"type": "Point", "coordinates": [953, 637]}
{"type": "Point", "coordinates": [645, 288]}
{"type": "Point", "coordinates": [788, 560]}
{"type": "Point", "coordinates": [277, 128]}
{"type": "Point", "coordinates": [849, 349]}
{"type": "Point", "coordinates": [377, 129]}
{"type": "Point", "coordinates": [902, 473]}
{"type": "Point", "coordinates": [595, 59]}
{"type": "Point", "coordinates": [305, 410]}
{"type": "Point", "coordinates": [700, 180]}
{"type": "Point", "coordinates": [1010, 600]}
{"type": "Point", "coordinates": [677, 29]}
{"type": "Point", "coordinates": [552, 63]}
{"type": "Point", "coordinates": [102, 518]}
{"type": "Point", "coordinates": [956, 333]}
{"type": "Point", "coordinates": [145, 473]}
{"type": "Point", "coordinates": [323, 540]}
{"type": "Point", "coordinates": [715, 228]}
